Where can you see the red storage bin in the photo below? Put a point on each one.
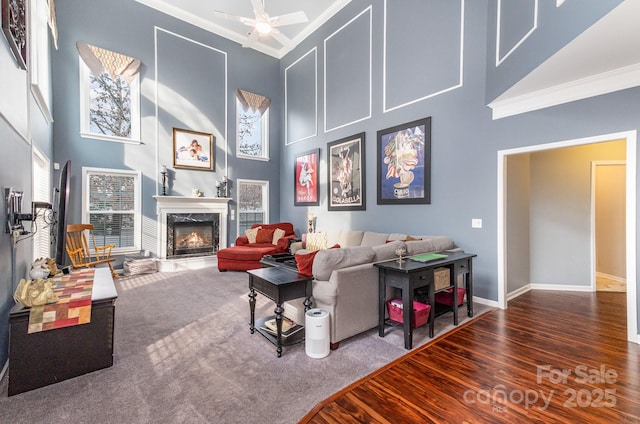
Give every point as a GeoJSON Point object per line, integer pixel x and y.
{"type": "Point", "coordinates": [420, 312]}
{"type": "Point", "coordinates": [445, 297]}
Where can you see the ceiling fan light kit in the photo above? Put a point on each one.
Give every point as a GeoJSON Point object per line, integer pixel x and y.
{"type": "Point", "coordinates": [263, 27]}
{"type": "Point", "coordinates": [263, 24]}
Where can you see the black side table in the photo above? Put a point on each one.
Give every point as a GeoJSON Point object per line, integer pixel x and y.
{"type": "Point", "coordinates": [278, 284]}
{"type": "Point", "coordinates": [412, 274]}
{"type": "Point", "coordinates": [407, 276]}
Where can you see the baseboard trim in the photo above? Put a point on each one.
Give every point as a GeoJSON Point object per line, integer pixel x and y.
{"type": "Point", "coordinates": [483, 301]}
{"type": "Point", "coordinates": [612, 277]}
{"type": "Point", "coordinates": [4, 369]}
{"type": "Point", "coordinates": [560, 287]}
{"type": "Point", "coordinates": [518, 292]}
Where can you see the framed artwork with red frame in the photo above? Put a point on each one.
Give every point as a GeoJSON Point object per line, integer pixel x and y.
{"type": "Point", "coordinates": [306, 179]}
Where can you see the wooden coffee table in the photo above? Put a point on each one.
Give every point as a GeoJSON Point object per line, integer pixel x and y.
{"type": "Point", "coordinates": [279, 284]}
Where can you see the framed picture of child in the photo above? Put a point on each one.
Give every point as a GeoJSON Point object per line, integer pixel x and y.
{"type": "Point", "coordinates": [193, 150]}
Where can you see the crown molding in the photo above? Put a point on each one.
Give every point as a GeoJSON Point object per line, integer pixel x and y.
{"type": "Point", "coordinates": [594, 85]}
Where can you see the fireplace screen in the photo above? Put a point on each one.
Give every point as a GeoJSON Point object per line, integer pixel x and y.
{"type": "Point", "coordinates": [192, 234]}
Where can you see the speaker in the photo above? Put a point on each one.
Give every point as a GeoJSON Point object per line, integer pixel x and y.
{"type": "Point", "coordinates": [317, 336]}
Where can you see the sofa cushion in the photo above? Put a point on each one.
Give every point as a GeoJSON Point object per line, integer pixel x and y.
{"type": "Point", "coordinates": [397, 236]}
{"type": "Point", "coordinates": [328, 260]}
{"type": "Point", "coordinates": [265, 235]}
{"type": "Point", "coordinates": [286, 226]}
{"type": "Point", "coordinates": [252, 234]}
{"type": "Point", "coordinates": [350, 238]}
{"type": "Point", "coordinates": [373, 239]}
{"type": "Point", "coordinates": [305, 262]}
{"type": "Point", "coordinates": [429, 244]}
{"type": "Point", "coordinates": [387, 251]}
{"type": "Point", "coordinates": [246, 253]}
{"type": "Point", "coordinates": [278, 233]}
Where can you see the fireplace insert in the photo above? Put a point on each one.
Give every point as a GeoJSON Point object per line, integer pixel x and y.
{"type": "Point", "coordinates": [192, 234]}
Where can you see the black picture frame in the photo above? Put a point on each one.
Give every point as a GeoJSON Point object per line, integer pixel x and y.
{"type": "Point", "coordinates": [14, 27]}
{"type": "Point", "coordinates": [404, 163]}
{"type": "Point", "coordinates": [346, 174]}
{"type": "Point", "coordinates": [306, 179]}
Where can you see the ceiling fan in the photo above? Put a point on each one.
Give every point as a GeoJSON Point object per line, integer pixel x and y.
{"type": "Point", "coordinates": [264, 25]}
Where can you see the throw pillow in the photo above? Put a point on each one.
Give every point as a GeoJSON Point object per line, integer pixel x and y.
{"type": "Point", "coordinates": [252, 234]}
{"type": "Point", "coordinates": [264, 236]}
{"type": "Point", "coordinates": [305, 262]}
{"type": "Point", "coordinates": [277, 235]}
{"type": "Point", "coordinates": [316, 241]}
{"type": "Point", "coordinates": [409, 238]}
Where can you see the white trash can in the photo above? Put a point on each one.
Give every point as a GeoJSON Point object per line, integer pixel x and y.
{"type": "Point", "coordinates": [317, 337]}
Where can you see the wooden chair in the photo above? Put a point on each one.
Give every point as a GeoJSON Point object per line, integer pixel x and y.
{"type": "Point", "coordinates": [79, 252]}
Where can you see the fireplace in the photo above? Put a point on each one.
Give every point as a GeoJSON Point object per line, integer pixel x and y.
{"type": "Point", "coordinates": [190, 231]}
{"type": "Point", "coordinates": [193, 234]}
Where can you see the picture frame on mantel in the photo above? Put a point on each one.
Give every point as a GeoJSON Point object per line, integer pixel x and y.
{"type": "Point", "coordinates": [346, 185]}
{"type": "Point", "coordinates": [404, 163]}
{"type": "Point", "coordinates": [193, 150]}
{"type": "Point", "coordinates": [306, 179]}
{"type": "Point", "coordinates": [14, 27]}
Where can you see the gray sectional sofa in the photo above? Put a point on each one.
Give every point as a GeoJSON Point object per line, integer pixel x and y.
{"type": "Point", "coordinates": [345, 281]}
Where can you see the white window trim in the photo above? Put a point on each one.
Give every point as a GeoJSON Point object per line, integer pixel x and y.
{"type": "Point", "coordinates": [42, 193]}
{"type": "Point", "coordinates": [265, 197]}
{"type": "Point", "coordinates": [84, 109]}
{"type": "Point", "coordinates": [264, 125]}
{"type": "Point", "coordinates": [86, 171]}
{"type": "Point", "coordinates": [39, 54]}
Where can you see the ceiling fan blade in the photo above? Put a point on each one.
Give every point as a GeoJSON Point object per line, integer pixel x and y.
{"type": "Point", "coordinates": [244, 20]}
{"type": "Point", "coordinates": [258, 7]}
{"type": "Point", "coordinates": [289, 19]}
{"type": "Point", "coordinates": [280, 37]}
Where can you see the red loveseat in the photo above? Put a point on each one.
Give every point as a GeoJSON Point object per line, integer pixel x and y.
{"type": "Point", "coordinates": [245, 256]}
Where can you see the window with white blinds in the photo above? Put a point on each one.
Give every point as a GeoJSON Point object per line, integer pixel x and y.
{"type": "Point", "coordinates": [112, 204]}
{"type": "Point", "coordinates": [253, 204]}
{"type": "Point", "coordinates": [41, 193]}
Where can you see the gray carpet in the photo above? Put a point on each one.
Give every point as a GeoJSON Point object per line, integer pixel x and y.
{"type": "Point", "coordinates": [184, 354]}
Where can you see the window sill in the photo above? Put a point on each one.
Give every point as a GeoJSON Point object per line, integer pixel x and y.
{"type": "Point", "coordinates": [108, 138]}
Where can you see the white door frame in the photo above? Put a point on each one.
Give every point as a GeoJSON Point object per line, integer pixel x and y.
{"type": "Point", "coordinates": [631, 141]}
{"type": "Point", "coordinates": [594, 166]}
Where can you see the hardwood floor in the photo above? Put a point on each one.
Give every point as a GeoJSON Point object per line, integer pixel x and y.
{"type": "Point", "coordinates": [551, 357]}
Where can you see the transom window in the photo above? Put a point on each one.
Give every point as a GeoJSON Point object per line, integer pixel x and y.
{"type": "Point", "coordinates": [109, 95]}
{"type": "Point", "coordinates": [252, 125]}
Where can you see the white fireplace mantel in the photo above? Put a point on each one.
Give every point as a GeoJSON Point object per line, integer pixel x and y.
{"type": "Point", "coordinates": [166, 205]}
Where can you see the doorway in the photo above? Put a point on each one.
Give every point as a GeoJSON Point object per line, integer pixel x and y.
{"type": "Point", "coordinates": [630, 140]}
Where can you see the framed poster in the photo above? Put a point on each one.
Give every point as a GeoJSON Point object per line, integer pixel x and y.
{"type": "Point", "coordinates": [404, 163]}
{"type": "Point", "coordinates": [345, 159]}
{"type": "Point", "coordinates": [193, 150]}
{"type": "Point", "coordinates": [306, 179]}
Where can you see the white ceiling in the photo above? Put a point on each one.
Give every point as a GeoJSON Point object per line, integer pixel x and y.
{"type": "Point", "coordinates": [605, 58]}
{"type": "Point", "coordinates": [201, 13]}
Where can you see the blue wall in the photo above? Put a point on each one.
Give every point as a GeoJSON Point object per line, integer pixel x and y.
{"type": "Point", "coordinates": [192, 88]}
{"type": "Point", "coordinates": [412, 78]}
